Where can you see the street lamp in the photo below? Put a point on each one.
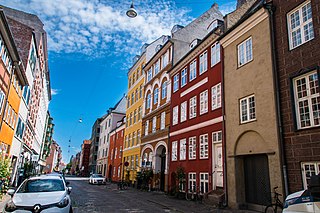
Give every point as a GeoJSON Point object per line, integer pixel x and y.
{"type": "Point", "coordinates": [132, 13]}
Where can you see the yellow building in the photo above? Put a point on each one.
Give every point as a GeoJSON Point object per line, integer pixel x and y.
{"type": "Point", "coordinates": [12, 81]}
{"type": "Point", "coordinates": [132, 140]}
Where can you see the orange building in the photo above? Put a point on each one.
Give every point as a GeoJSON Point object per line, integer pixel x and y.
{"type": "Point", "coordinates": [12, 79]}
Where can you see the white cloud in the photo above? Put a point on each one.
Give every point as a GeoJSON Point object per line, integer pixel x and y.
{"type": "Point", "coordinates": [55, 91]}
{"type": "Point", "coordinates": [92, 27]}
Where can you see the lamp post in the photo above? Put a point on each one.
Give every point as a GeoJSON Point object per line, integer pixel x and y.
{"type": "Point", "coordinates": [131, 13]}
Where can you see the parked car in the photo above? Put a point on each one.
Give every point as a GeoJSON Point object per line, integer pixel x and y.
{"type": "Point", "coordinates": [97, 179]}
{"type": "Point", "coordinates": [306, 200]}
{"type": "Point", "coordinates": [45, 194]}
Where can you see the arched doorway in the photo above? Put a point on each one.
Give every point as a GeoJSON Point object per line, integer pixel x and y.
{"type": "Point", "coordinates": [160, 165]}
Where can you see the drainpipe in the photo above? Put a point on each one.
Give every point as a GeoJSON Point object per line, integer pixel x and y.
{"type": "Point", "coordinates": [225, 203]}
{"type": "Point", "coordinates": [271, 9]}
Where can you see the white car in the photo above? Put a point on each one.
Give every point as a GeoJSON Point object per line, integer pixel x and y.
{"type": "Point", "coordinates": [97, 179]}
{"type": "Point", "coordinates": [301, 201]}
{"type": "Point", "coordinates": [45, 194]}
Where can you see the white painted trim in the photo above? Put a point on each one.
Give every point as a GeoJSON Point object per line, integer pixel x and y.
{"type": "Point", "coordinates": [158, 139]}
{"type": "Point", "coordinates": [199, 84]}
{"type": "Point", "coordinates": [198, 126]}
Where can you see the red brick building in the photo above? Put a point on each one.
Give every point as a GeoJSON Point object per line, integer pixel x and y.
{"type": "Point", "coordinates": [297, 39]}
{"type": "Point", "coordinates": [196, 117]}
{"type": "Point", "coordinates": [84, 158]}
{"type": "Point", "coordinates": [115, 170]}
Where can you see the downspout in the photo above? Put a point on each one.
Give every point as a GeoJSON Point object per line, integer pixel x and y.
{"type": "Point", "coordinates": [225, 203]}
{"type": "Point", "coordinates": [271, 10]}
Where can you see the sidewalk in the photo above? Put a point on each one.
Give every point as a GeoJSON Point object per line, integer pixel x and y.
{"type": "Point", "coordinates": [3, 201]}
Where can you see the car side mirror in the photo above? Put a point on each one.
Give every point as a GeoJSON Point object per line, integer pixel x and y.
{"type": "Point", "coordinates": [11, 192]}
{"type": "Point", "coordinates": [67, 183]}
{"type": "Point", "coordinates": [69, 189]}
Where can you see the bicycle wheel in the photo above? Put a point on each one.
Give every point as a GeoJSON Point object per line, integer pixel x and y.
{"type": "Point", "coordinates": [273, 208]}
{"type": "Point", "coordinates": [125, 186]}
{"type": "Point", "coordinates": [189, 196]}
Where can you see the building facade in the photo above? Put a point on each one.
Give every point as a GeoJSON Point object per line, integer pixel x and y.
{"type": "Point", "coordinates": [251, 129]}
{"type": "Point", "coordinates": [297, 38]}
{"type": "Point", "coordinates": [84, 158]}
{"type": "Point", "coordinates": [95, 138]}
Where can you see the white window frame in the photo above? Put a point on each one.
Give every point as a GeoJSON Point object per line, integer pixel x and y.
{"type": "Point", "coordinates": [146, 131]}
{"type": "Point", "coordinates": [174, 148]}
{"type": "Point", "coordinates": [154, 124]}
{"type": "Point", "coordinates": [175, 115]}
{"type": "Point", "coordinates": [308, 169]}
{"type": "Point", "coordinates": [184, 75]}
{"type": "Point", "coordinates": [245, 54]}
{"type": "Point", "coordinates": [215, 54]}
{"type": "Point", "coordinates": [164, 91]}
{"type": "Point", "coordinates": [192, 182]}
{"type": "Point", "coordinates": [193, 70]}
{"type": "Point", "coordinates": [165, 59]}
{"type": "Point", "coordinates": [203, 63]}
{"type": "Point", "coordinates": [298, 25]}
{"type": "Point", "coordinates": [149, 74]}
{"type": "Point", "coordinates": [183, 111]}
{"type": "Point", "coordinates": [163, 120]}
{"type": "Point", "coordinates": [148, 101]}
{"type": "Point", "coordinates": [157, 67]}
{"type": "Point", "coordinates": [217, 137]}
{"type": "Point", "coordinates": [204, 182]}
{"type": "Point", "coordinates": [204, 146]}
{"type": "Point", "coordinates": [156, 96]}
{"type": "Point", "coordinates": [183, 149]}
{"type": "Point", "coordinates": [247, 109]}
{"type": "Point", "coordinates": [216, 96]}
{"type": "Point", "coordinates": [176, 82]}
{"type": "Point", "coordinates": [306, 93]}
{"type": "Point", "coordinates": [192, 148]}
{"type": "Point", "coordinates": [193, 107]}
{"type": "Point", "coordinates": [204, 102]}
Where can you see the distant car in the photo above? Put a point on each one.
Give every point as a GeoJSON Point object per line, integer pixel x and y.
{"type": "Point", "coordinates": [97, 179]}
{"type": "Point", "coordinates": [45, 194]}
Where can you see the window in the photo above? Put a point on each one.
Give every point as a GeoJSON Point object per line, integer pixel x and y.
{"type": "Point", "coordinates": [1, 100]}
{"type": "Point", "coordinates": [163, 120]}
{"type": "Point", "coordinates": [247, 109]}
{"type": "Point", "coordinates": [129, 140]}
{"type": "Point", "coordinates": [175, 115]}
{"type": "Point", "coordinates": [215, 54]}
{"type": "Point", "coordinates": [129, 82]}
{"type": "Point", "coordinates": [133, 78]}
{"type": "Point", "coordinates": [20, 128]}
{"type": "Point", "coordinates": [150, 159]}
{"type": "Point", "coordinates": [157, 67]}
{"type": "Point", "coordinates": [203, 62]}
{"type": "Point", "coordinates": [133, 138]}
{"type": "Point", "coordinates": [174, 151]}
{"type": "Point", "coordinates": [217, 137]}
{"type": "Point", "coordinates": [137, 96]}
{"type": "Point", "coordinates": [147, 128]}
{"type": "Point", "coordinates": [164, 90]}
{"type": "Point", "coordinates": [245, 52]}
{"type": "Point", "coordinates": [193, 107]}
{"type": "Point", "coordinates": [309, 169]}
{"type": "Point", "coordinates": [183, 115]}
{"type": "Point", "coordinates": [154, 124]}
{"type": "Point", "coordinates": [111, 155]}
{"type": "Point", "coordinates": [183, 149]}
{"type": "Point", "coordinates": [192, 148]}
{"type": "Point", "coordinates": [203, 102]}
{"type": "Point", "coordinates": [155, 95]}
{"type": "Point", "coordinates": [300, 25]}
{"type": "Point", "coordinates": [184, 77]}
{"type": "Point", "coordinates": [192, 182]}
{"type": "Point", "coordinates": [204, 183]}
{"type": "Point", "coordinates": [176, 83]}
{"type": "Point", "coordinates": [137, 161]}
{"type": "Point", "coordinates": [26, 94]}
{"type": "Point", "coordinates": [115, 153]}
{"type": "Point", "coordinates": [132, 98]}
{"type": "Point", "coordinates": [140, 92]}
{"type": "Point", "coordinates": [126, 142]}
{"type": "Point", "coordinates": [148, 101]}
{"type": "Point", "coordinates": [135, 116]}
{"type": "Point", "coordinates": [216, 96]}
{"type": "Point", "coordinates": [307, 100]}
{"type": "Point", "coordinates": [149, 75]}
{"type": "Point", "coordinates": [203, 146]}
{"type": "Point", "coordinates": [139, 113]}
{"type": "Point", "coordinates": [130, 119]}
{"type": "Point", "coordinates": [193, 70]}
{"type": "Point", "coordinates": [165, 59]}
{"type": "Point", "coordinates": [138, 136]}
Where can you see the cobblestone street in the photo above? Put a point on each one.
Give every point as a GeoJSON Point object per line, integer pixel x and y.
{"type": "Point", "coordinates": [107, 198]}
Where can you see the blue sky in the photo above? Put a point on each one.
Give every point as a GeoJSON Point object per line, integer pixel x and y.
{"type": "Point", "coordinates": [91, 45]}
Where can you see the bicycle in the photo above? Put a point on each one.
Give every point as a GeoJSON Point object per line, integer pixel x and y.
{"type": "Point", "coordinates": [193, 194]}
{"type": "Point", "coordinates": [122, 185]}
{"type": "Point", "coordinates": [277, 206]}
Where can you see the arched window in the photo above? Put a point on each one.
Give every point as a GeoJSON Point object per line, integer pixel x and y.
{"type": "Point", "coordinates": [164, 90]}
{"type": "Point", "coordinates": [148, 101]}
{"type": "Point", "coordinates": [155, 95]}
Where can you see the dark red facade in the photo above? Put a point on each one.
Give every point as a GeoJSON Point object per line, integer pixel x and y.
{"type": "Point", "coordinates": [200, 126]}
{"type": "Point", "coordinates": [301, 141]}
{"type": "Point", "coordinates": [84, 170]}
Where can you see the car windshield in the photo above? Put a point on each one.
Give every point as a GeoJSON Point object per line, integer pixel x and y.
{"type": "Point", "coordinates": [97, 176]}
{"type": "Point", "coordinates": [41, 185]}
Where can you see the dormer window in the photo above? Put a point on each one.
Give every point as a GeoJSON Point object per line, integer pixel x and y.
{"type": "Point", "coordinates": [158, 47]}
{"type": "Point", "coordinates": [165, 39]}
{"type": "Point", "coordinates": [194, 43]}
{"type": "Point", "coordinates": [214, 25]}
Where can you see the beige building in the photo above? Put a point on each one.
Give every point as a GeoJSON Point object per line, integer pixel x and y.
{"type": "Point", "coordinates": [252, 150]}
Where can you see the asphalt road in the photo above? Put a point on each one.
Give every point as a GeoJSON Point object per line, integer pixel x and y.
{"type": "Point", "coordinates": [107, 198]}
